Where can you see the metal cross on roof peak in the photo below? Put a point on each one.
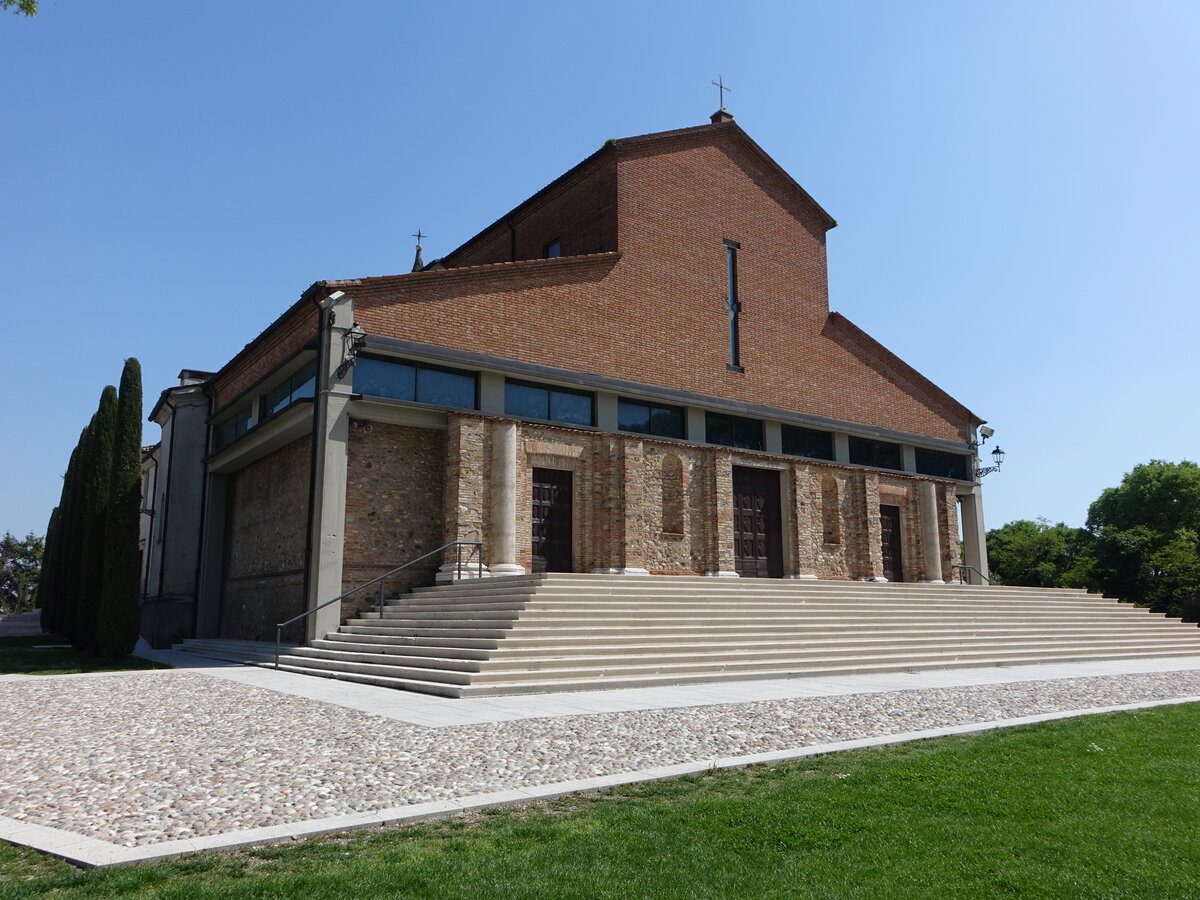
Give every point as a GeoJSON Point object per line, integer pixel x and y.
{"type": "Point", "coordinates": [419, 236]}
{"type": "Point", "coordinates": [719, 84]}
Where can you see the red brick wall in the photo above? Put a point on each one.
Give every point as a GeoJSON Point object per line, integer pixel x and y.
{"type": "Point", "coordinates": [284, 339]}
{"type": "Point", "coordinates": [580, 213]}
{"type": "Point", "coordinates": [654, 314]}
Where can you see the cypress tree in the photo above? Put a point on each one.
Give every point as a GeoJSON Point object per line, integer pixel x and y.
{"type": "Point", "coordinates": [117, 630]}
{"type": "Point", "coordinates": [66, 584]}
{"type": "Point", "coordinates": [97, 472]}
{"type": "Point", "coordinates": [47, 575]}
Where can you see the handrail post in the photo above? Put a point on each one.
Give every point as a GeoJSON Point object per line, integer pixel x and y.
{"type": "Point", "coordinates": [479, 560]}
{"type": "Point", "coordinates": [458, 564]}
{"type": "Point", "coordinates": [379, 610]}
{"type": "Point", "coordinates": [278, 632]}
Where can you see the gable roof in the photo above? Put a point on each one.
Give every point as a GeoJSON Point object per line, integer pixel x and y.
{"type": "Point", "coordinates": [728, 130]}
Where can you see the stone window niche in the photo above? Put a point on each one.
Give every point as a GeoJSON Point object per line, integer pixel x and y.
{"type": "Point", "coordinates": [674, 507]}
{"type": "Point", "coordinates": [831, 510]}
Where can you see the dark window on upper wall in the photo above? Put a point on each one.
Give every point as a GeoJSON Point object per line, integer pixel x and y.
{"type": "Point", "coordinates": [552, 250]}
{"type": "Point", "coordinates": [942, 464]}
{"type": "Point", "coordinates": [733, 431]}
{"type": "Point", "coordinates": [232, 428]}
{"type": "Point", "coordinates": [808, 442]}
{"type": "Point", "coordinates": [416, 382]}
{"type": "Point", "coordinates": [299, 386]}
{"type": "Point", "coordinates": [880, 454]}
{"type": "Point", "coordinates": [651, 418]}
{"type": "Point", "coordinates": [554, 404]}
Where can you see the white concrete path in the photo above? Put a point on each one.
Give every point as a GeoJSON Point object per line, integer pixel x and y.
{"type": "Point", "coordinates": [441, 712]}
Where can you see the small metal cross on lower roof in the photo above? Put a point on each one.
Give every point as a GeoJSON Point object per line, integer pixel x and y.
{"type": "Point", "coordinates": [719, 84]}
{"type": "Point", "coordinates": [419, 236]}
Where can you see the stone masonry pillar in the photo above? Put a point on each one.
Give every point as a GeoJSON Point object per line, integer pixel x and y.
{"type": "Point", "coordinates": [931, 543]}
{"type": "Point", "coordinates": [465, 496]}
{"type": "Point", "coordinates": [720, 518]}
{"type": "Point", "coordinates": [502, 539]}
{"type": "Point", "coordinates": [874, 531]}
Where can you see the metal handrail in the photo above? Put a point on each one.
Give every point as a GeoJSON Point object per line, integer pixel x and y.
{"type": "Point", "coordinates": [478, 545]}
{"type": "Point", "coordinates": [975, 570]}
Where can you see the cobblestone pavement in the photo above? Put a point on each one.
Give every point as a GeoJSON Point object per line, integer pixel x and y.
{"type": "Point", "coordinates": [136, 759]}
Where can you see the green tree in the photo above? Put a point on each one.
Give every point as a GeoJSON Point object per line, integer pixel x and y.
{"type": "Point", "coordinates": [117, 631]}
{"type": "Point", "coordinates": [20, 566]}
{"type": "Point", "coordinates": [94, 487]}
{"type": "Point", "coordinates": [1146, 549]}
{"type": "Point", "coordinates": [49, 572]}
{"type": "Point", "coordinates": [68, 563]}
{"type": "Point", "coordinates": [1038, 554]}
{"type": "Point", "coordinates": [21, 7]}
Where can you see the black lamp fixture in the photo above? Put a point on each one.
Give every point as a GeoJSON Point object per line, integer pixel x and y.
{"type": "Point", "coordinates": [352, 340]}
{"type": "Point", "coordinates": [997, 457]}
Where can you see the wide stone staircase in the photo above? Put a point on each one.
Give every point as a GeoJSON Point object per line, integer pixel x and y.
{"type": "Point", "coordinates": [538, 633]}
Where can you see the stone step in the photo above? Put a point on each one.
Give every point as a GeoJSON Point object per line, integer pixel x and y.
{"type": "Point", "coordinates": [387, 657]}
{"type": "Point", "coordinates": [535, 609]}
{"type": "Point", "coordinates": [716, 618]}
{"type": "Point", "coordinates": [915, 659]}
{"type": "Point", "coordinates": [597, 584]}
{"type": "Point", "coordinates": [418, 686]}
{"type": "Point", "coordinates": [498, 689]}
{"type": "Point", "coordinates": [556, 642]}
{"type": "Point", "coordinates": [521, 597]}
{"type": "Point", "coordinates": [423, 673]}
{"type": "Point", "coordinates": [616, 657]}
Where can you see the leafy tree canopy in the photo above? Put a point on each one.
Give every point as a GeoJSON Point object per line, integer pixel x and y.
{"type": "Point", "coordinates": [20, 565]}
{"type": "Point", "coordinates": [20, 7]}
{"type": "Point", "coordinates": [1038, 554]}
{"type": "Point", "coordinates": [1161, 496]}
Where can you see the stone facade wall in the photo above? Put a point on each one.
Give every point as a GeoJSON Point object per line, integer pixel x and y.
{"type": "Point", "coordinates": [411, 489]}
{"type": "Point", "coordinates": [265, 538]}
{"type": "Point", "coordinates": [395, 485]}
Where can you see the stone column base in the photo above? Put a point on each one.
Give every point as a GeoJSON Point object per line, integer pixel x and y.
{"type": "Point", "coordinates": [498, 570]}
{"type": "Point", "coordinates": [466, 572]}
{"type": "Point", "coordinates": [632, 570]}
{"type": "Point", "coordinates": [804, 577]}
{"type": "Point", "coordinates": [931, 581]}
{"type": "Point", "coordinates": [722, 574]}
{"type": "Point", "coordinates": [878, 579]}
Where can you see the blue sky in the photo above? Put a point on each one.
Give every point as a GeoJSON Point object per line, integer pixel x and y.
{"type": "Point", "coordinates": [1015, 183]}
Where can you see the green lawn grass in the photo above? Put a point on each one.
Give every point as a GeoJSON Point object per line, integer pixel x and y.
{"type": "Point", "coordinates": [1097, 807]}
{"type": "Point", "coordinates": [18, 657]}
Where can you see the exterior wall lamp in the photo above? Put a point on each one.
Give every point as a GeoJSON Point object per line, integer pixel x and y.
{"type": "Point", "coordinates": [352, 340]}
{"type": "Point", "coordinates": [997, 457]}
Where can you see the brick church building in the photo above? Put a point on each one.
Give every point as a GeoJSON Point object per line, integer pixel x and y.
{"type": "Point", "coordinates": [633, 371]}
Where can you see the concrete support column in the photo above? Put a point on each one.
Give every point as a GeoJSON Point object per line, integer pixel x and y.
{"type": "Point", "coordinates": [931, 542]}
{"type": "Point", "coordinates": [502, 539]}
{"type": "Point", "coordinates": [841, 447]}
{"type": "Point", "coordinates": [720, 501]}
{"type": "Point", "coordinates": [974, 536]}
{"type": "Point", "coordinates": [331, 433]}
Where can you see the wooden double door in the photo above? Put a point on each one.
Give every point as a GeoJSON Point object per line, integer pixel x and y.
{"type": "Point", "coordinates": [757, 523]}
{"type": "Point", "coordinates": [553, 534]}
{"type": "Point", "coordinates": [891, 542]}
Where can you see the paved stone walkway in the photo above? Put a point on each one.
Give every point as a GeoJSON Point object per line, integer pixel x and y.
{"type": "Point", "coordinates": [127, 766]}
